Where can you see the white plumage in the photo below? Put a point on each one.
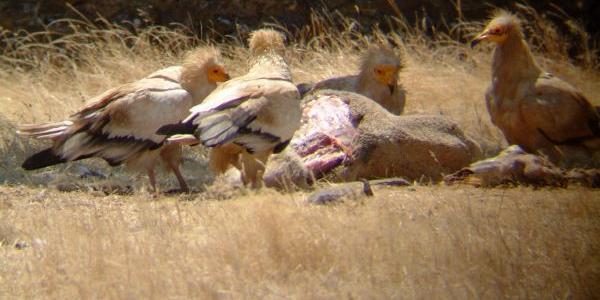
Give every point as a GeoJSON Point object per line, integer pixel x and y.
{"type": "Point", "coordinates": [120, 124]}
{"type": "Point", "coordinates": [249, 117]}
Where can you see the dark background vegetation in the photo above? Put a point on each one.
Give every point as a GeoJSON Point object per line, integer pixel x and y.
{"type": "Point", "coordinates": [216, 19]}
{"type": "Point", "coordinates": [226, 17]}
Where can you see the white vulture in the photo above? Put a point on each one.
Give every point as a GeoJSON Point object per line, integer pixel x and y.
{"type": "Point", "coordinates": [120, 124]}
{"type": "Point", "coordinates": [248, 118]}
{"type": "Point", "coordinates": [377, 79]}
{"type": "Point", "coordinates": [533, 108]}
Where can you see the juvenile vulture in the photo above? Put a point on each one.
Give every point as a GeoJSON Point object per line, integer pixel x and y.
{"type": "Point", "coordinates": [248, 118]}
{"type": "Point", "coordinates": [377, 79]}
{"type": "Point", "coordinates": [120, 124]}
{"type": "Point", "coordinates": [533, 108]}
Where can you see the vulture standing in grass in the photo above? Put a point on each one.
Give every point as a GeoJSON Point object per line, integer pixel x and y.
{"type": "Point", "coordinates": [120, 125]}
{"type": "Point", "coordinates": [248, 118]}
{"type": "Point", "coordinates": [377, 79]}
{"type": "Point", "coordinates": [534, 109]}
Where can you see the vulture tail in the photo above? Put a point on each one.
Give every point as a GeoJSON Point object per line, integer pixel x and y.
{"type": "Point", "coordinates": [178, 128]}
{"type": "Point", "coordinates": [45, 130]}
{"type": "Point", "coordinates": [42, 159]}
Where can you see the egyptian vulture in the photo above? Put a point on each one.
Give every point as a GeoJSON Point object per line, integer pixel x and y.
{"type": "Point", "coordinates": [120, 124]}
{"type": "Point", "coordinates": [533, 108]}
{"type": "Point", "coordinates": [248, 118]}
{"type": "Point", "coordinates": [377, 79]}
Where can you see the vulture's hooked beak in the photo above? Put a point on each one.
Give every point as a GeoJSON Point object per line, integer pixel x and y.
{"type": "Point", "coordinates": [482, 36]}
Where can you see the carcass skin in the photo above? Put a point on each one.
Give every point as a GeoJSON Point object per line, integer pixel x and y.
{"type": "Point", "coordinates": [345, 136]}
{"type": "Point", "coordinates": [515, 166]}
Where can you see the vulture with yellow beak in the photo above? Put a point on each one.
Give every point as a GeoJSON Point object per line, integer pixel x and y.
{"type": "Point", "coordinates": [377, 79]}
{"type": "Point", "coordinates": [533, 108]}
{"type": "Point", "coordinates": [248, 118]}
{"type": "Point", "coordinates": [120, 124]}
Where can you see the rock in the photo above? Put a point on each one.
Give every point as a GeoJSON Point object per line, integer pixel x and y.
{"type": "Point", "coordinates": [21, 245]}
{"type": "Point", "coordinates": [44, 177]}
{"type": "Point", "coordinates": [87, 172]}
{"type": "Point", "coordinates": [100, 188]}
{"type": "Point", "coordinates": [346, 136]}
{"type": "Point", "coordinates": [352, 190]}
{"type": "Point", "coordinates": [348, 190]}
{"type": "Point", "coordinates": [396, 181]}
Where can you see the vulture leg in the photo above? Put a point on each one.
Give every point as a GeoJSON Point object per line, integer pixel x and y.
{"type": "Point", "coordinates": [253, 168]}
{"type": "Point", "coordinates": [152, 179]}
{"type": "Point", "coordinates": [221, 157]}
{"type": "Point", "coordinates": [171, 155]}
{"type": "Point", "coordinates": [182, 184]}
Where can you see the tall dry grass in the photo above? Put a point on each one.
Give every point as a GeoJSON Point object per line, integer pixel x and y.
{"type": "Point", "coordinates": [419, 242]}
{"type": "Point", "coordinates": [47, 75]}
{"type": "Point", "coordinates": [426, 242]}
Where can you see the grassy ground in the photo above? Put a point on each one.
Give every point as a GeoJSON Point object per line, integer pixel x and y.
{"type": "Point", "coordinates": [415, 242]}
{"type": "Point", "coordinates": [445, 242]}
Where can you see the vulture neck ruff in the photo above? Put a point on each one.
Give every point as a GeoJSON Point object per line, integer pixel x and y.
{"type": "Point", "coordinates": [513, 65]}
{"type": "Point", "coordinates": [270, 64]}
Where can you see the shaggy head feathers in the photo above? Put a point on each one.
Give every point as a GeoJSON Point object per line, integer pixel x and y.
{"type": "Point", "coordinates": [506, 20]}
{"type": "Point", "coordinates": [266, 40]}
{"type": "Point", "coordinates": [380, 55]}
{"type": "Point", "coordinates": [196, 64]}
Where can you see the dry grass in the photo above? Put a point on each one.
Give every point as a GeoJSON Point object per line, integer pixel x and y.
{"type": "Point", "coordinates": [417, 242]}
{"type": "Point", "coordinates": [441, 242]}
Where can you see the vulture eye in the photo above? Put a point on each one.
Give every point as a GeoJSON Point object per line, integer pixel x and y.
{"type": "Point", "coordinates": [496, 31]}
{"type": "Point", "coordinates": [215, 71]}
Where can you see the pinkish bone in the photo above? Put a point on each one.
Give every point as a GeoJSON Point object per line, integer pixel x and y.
{"type": "Point", "coordinates": [326, 136]}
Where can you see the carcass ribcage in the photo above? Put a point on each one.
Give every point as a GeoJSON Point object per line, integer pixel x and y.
{"type": "Point", "coordinates": [326, 136]}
